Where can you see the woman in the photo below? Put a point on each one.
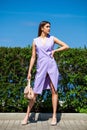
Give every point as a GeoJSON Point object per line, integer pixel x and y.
{"type": "Point", "coordinates": [47, 72]}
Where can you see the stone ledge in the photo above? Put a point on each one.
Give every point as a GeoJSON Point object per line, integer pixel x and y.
{"type": "Point", "coordinates": [41, 116]}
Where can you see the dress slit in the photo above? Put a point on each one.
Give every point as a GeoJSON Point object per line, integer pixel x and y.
{"type": "Point", "coordinates": [48, 80]}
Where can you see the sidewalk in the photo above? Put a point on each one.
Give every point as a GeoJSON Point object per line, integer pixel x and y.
{"type": "Point", "coordinates": [41, 121]}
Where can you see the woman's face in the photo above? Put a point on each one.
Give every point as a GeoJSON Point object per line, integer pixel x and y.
{"type": "Point", "coordinates": [46, 28]}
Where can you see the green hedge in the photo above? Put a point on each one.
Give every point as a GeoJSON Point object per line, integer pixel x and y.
{"type": "Point", "coordinates": [72, 87]}
{"type": "Point", "coordinates": [73, 68]}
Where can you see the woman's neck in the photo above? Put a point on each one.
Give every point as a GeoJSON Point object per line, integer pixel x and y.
{"type": "Point", "coordinates": [43, 35]}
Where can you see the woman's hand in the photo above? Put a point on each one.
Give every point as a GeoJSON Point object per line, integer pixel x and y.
{"type": "Point", "coordinates": [52, 53]}
{"type": "Point", "coordinates": [29, 76]}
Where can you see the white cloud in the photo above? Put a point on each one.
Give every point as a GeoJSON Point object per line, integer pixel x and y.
{"type": "Point", "coordinates": [30, 23]}
{"type": "Point", "coordinates": [68, 16]}
{"type": "Point", "coordinates": [44, 14]}
{"type": "Point", "coordinates": [6, 40]}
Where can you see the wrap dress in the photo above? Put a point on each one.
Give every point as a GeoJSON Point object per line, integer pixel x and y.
{"type": "Point", "coordinates": [46, 68]}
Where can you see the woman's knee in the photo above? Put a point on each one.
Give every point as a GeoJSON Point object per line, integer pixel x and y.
{"type": "Point", "coordinates": [52, 88]}
{"type": "Point", "coordinates": [54, 93]}
{"type": "Point", "coordinates": [35, 96]}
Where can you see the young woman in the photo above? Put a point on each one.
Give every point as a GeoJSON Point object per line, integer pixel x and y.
{"type": "Point", "coordinates": [47, 72]}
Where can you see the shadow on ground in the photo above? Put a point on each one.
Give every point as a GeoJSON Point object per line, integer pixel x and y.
{"type": "Point", "coordinates": [35, 117]}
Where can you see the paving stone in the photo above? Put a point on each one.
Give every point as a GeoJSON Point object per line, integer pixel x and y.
{"type": "Point", "coordinates": [41, 121]}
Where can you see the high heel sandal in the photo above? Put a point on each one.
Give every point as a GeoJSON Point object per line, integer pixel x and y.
{"type": "Point", "coordinates": [54, 121]}
{"type": "Point", "coordinates": [24, 122]}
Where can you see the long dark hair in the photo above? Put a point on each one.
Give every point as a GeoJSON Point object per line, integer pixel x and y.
{"type": "Point", "coordinates": [42, 25]}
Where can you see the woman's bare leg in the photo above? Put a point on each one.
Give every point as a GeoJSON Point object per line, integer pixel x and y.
{"type": "Point", "coordinates": [54, 103]}
{"type": "Point", "coordinates": [30, 105]}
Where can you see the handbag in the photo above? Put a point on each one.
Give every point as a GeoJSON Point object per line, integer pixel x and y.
{"type": "Point", "coordinates": [28, 91]}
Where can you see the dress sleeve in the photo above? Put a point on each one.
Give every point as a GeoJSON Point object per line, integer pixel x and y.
{"type": "Point", "coordinates": [52, 38]}
{"type": "Point", "coordinates": [34, 41]}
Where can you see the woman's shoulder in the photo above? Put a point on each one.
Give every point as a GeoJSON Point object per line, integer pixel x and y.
{"type": "Point", "coordinates": [51, 37]}
{"type": "Point", "coordinates": [36, 39]}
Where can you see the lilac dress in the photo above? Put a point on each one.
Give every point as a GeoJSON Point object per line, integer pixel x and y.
{"type": "Point", "coordinates": [46, 68]}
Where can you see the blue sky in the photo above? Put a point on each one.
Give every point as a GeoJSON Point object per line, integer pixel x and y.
{"type": "Point", "coordinates": [19, 20]}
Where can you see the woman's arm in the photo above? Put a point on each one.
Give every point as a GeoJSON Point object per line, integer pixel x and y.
{"type": "Point", "coordinates": [63, 45]}
{"type": "Point", "coordinates": [32, 61]}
